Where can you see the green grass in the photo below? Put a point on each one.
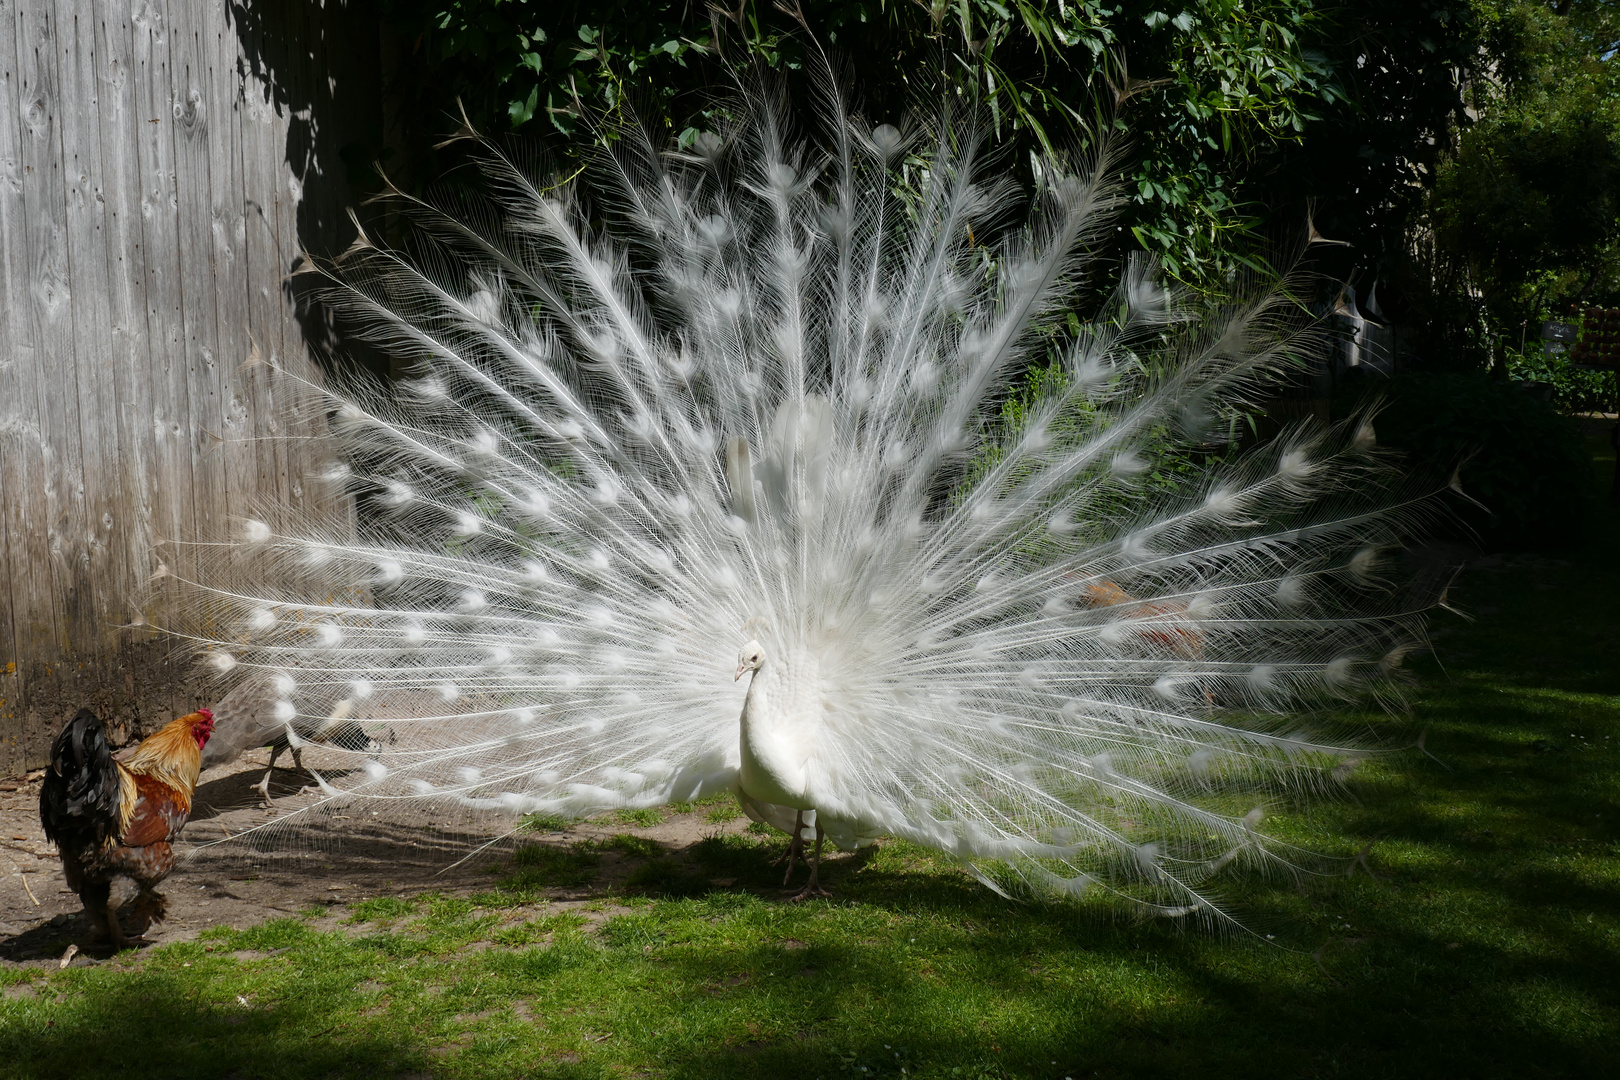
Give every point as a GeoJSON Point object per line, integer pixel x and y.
{"type": "Point", "coordinates": [1488, 944]}
{"type": "Point", "coordinates": [644, 818]}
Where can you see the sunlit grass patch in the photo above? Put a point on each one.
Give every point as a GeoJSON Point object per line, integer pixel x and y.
{"type": "Point", "coordinates": [645, 818]}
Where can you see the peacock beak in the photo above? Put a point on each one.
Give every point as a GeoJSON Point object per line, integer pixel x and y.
{"type": "Point", "coordinates": [740, 669]}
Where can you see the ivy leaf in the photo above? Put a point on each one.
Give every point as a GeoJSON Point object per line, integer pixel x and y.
{"type": "Point", "coordinates": [522, 112]}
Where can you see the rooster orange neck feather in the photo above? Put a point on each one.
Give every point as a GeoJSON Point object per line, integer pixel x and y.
{"type": "Point", "coordinates": [171, 756]}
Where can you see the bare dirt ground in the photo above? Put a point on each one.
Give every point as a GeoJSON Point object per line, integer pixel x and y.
{"type": "Point", "coordinates": [269, 875]}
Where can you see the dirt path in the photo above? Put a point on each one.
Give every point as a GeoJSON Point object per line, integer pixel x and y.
{"type": "Point", "coordinates": [273, 874]}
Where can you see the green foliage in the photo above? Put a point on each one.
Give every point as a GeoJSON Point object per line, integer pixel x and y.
{"type": "Point", "coordinates": [1526, 464]}
{"type": "Point", "coordinates": [1534, 188]}
{"type": "Point", "coordinates": [1228, 105]}
{"type": "Point", "coordinates": [1174, 466]}
{"type": "Point", "coordinates": [1575, 389]}
{"type": "Point", "coordinates": [1522, 210]}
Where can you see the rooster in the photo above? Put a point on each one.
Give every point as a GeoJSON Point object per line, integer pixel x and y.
{"type": "Point", "coordinates": [114, 821]}
{"type": "Point", "coordinates": [1165, 627]}
{"type": "Point", "coordinates": [1161, 629]}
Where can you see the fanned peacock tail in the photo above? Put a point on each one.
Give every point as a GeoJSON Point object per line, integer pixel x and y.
{"type": "Point", "coordinates": [758, 388]}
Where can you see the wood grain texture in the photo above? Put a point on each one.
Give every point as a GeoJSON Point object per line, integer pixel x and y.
{"type": "Point", "coordinates": [155, 156]}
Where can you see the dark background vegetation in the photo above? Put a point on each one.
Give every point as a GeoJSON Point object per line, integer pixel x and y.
{"type": "Point", "coordinates": [1464, 155]}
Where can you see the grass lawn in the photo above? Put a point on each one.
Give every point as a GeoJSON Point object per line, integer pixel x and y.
{"type": "Point", "coordinates": [1487, 944]}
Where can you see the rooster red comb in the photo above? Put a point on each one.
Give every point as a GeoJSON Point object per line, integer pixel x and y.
{"type": "Point", "coordinates": [206, 714]}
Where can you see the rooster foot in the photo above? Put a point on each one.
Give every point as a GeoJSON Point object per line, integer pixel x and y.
{"type": "Point", "coordinates": [113, 935]}
{"type": "Point", "coordinates": [149, 908]}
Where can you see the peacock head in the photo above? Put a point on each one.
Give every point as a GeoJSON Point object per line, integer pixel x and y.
{"type": "Point", "coordinates": [752, 658]}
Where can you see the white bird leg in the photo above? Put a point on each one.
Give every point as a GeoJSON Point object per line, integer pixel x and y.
{"type": "Point", "coordinates": [795, 849]}
{"type": "Point", "coordinates": [813, 886]}
{"type": "Point", "coordinates": [264, 785]}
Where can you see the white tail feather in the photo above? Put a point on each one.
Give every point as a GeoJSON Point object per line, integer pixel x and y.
{"type": "Point", "coordinates": [767, 394]}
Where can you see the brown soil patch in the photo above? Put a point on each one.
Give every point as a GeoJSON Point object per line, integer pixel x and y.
{"type": "Point", "coordinates": [252, 876]}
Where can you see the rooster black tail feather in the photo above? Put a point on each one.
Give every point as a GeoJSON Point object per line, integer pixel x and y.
{"type": "Point", "coordinates": [81, 788]}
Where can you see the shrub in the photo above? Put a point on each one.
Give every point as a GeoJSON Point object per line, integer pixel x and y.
{"type": "Point", "coordinates": [1574, 389]}
{"type": "Point", "coordinates": [1525, 464]}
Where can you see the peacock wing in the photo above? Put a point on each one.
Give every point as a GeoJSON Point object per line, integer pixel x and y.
{"type": "Point", "coordinates": [251, 715]}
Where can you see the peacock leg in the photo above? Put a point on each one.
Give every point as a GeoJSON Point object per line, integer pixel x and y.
{"type": "Point", "coordinates": [264, 787]}
{"type": "Point", "coordinates": [813, 886]}
{"type": "Point", "coordinates": [795, 849]}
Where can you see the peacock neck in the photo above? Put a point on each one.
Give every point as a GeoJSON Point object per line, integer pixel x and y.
{"type": "Point", "coordinates": [775, 742]}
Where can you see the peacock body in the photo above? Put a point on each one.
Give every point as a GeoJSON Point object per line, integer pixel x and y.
{"type": "Point", "coordinates": [769, 392]}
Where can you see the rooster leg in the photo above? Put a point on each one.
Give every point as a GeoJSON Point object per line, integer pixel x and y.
{"type": "Point", "coordinates": [115, 933]}
{"type": "Point", "coordinates": [150, 907]}
{"type": "Point", "coordinates": [106, 920]}
{"type": "Point", "coordinates": [795, 849]}
{"type": "Point", "coordinates": [813, 886]}
{"type": "Point", "coordinates": [103, 920]}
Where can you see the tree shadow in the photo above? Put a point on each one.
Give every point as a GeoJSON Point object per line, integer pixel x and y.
{"type": "Point", "coordinates": [320, 67]}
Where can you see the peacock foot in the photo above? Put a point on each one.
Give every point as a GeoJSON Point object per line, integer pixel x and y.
{"type": "Point", "coordinates": [810, 889]}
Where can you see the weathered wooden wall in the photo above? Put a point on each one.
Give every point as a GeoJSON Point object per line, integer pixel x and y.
{"type": "Point", "coordinates": [162, 164]}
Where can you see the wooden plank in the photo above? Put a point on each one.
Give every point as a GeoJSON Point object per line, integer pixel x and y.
{"type": "Point", "coordinates": [346, 99]}
{"type": "Point", "coordinates": [269, 241]}
{"type": "Point", "coordinates": [149, 214]}
{"type": "Point", "coordinates": [191, 131]}
{"type": "Point", "coordinates": [27, 562]}
{"type": "Point", "coordinates": [235, 453]}
{"type": "Point", "coordinates": [119, 128]}
{"type": "Point", "coordinates": [94, 550]}
{"type": "Point", "coordinates": [57, 494]}
{"type": "Point", "coordinates": [171, 418]}
{"type": "Point", "coordinates": [310, 134]}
